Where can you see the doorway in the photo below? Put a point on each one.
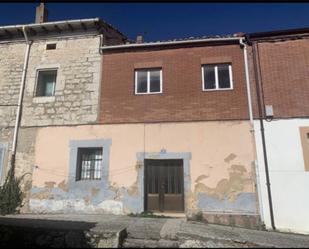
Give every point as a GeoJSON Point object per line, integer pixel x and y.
{"type": "Point", "coordinates": [164, 185]}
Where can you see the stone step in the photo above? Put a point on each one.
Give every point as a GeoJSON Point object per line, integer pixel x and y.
{"type": "Point", "coordinates": [147, 243]}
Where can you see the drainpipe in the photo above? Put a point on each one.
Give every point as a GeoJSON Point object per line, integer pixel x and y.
{"type": "Point", "coordinates": [244, 45]}
{"type": "Point", "coordinates": [20, 99]}
{"type": "Point", "coordinates": [241, 42]}
{"type": "Point", "coordinates": [260, 107]}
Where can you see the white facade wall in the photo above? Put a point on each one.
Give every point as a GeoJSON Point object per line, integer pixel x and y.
{"type": "Point", "coordinates": [288, 178]}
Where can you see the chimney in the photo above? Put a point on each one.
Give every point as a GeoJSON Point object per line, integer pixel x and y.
{"type": "Point", "coordinates": [41, 14]}
{"type": "Point", "coordinates": [139, 39]}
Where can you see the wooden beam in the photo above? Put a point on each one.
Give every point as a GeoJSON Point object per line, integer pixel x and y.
{"type": "Point", "coordinates": [100, 28]}
{"type": "Point", "coordinates": [83, 26]}
{"type": "Point", "coordinates": [58, 29]}
{"type": "Point", "coordinates": [8, 33]}
{"type": "Point", "coordinates": [32, 31]}
{"type": "Point", "coordinates": [20, 32]}
{"type": "Point", "coordinates": [70, 27]}
{"type": "Point", "coordinates": [44, 29]}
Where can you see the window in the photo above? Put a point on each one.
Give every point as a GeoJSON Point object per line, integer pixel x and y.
{"type": "Point", "coordinates": [89, 163]}
{"type": "Point", "coordinates": [46, 82]}
{"type": "Point", "coordinates": [148, 81]}
{"type": "Point", "coordinates": [217, 77]}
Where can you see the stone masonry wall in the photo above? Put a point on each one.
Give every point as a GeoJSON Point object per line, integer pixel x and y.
{"type": "Point", "coordinates": [77, 86]}
{"type": "Point", "coordinates": [11, 65]}
{"type": "Point", "coordinates": [78, 62]}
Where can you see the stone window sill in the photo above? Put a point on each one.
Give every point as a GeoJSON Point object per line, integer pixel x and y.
{"type": "Point", "coordinates": [43, 99]}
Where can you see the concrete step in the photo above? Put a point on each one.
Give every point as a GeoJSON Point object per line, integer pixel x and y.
{"type": "Point", "coordinates": [147, 243]}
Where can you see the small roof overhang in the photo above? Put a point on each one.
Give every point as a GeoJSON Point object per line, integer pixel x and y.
{"type": "Point", "coordinates": [92, 25]}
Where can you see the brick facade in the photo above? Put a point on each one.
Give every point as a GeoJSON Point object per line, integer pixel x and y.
{"type": "Point", "coordinates": [182, 98]}
{"type": "Point", "coordinates": [285, 76]}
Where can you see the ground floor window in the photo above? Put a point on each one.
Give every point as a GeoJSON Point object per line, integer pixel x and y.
{"type": "Point", "coordinates": [89, 163]}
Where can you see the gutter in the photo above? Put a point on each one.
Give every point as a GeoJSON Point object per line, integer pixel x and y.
{"type": "Point", "coordinates": [46, 24]}
{"type": "Point", "coordinates": [137, 45]}
{"type": "Point", "coordinates": [261, 117]}
{"type": "Point", "coordinates": [20, 99]}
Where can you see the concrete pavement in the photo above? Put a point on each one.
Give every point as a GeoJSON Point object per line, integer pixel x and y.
{"type": "Point", "coordinates": [161, 232]}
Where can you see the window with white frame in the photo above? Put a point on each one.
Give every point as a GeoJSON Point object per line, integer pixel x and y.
{"type": "Point", "coordinates": [217, 77]}
{"type": "Point", "coordinates": [89, 163]}
{"type": "Point", "coordinates": [148, 81]}
{"type": "Point", "coordinates": [46, 82]}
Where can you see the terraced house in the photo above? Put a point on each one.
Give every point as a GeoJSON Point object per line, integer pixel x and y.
{"type": "Point", "coordinates": [280, 61]}
{"type": "Point", "coordinates": [101, 124]}
{"type": "Point", "coordinates": [173, 135]}
{"type": "Point", "coordinates": [50, 77]}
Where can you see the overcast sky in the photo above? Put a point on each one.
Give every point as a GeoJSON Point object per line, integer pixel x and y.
{"type": "Point", "coordinates": [163, 21]}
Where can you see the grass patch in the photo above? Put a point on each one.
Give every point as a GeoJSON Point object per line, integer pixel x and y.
{"type": "Point", "coordinates": [148, 215]}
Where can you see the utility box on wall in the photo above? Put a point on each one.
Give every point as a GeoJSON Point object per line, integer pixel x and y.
{"type": "Point", "coordinates": [269, 112]}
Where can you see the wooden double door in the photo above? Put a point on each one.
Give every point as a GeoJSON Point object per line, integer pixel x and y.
{"type": "Point", "coordinates": [164, 185]}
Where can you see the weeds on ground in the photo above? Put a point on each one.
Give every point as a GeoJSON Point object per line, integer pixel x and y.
{"type": "Point", "coordinates": [11, 195]}
{"type": "Point", "coordinates": [147, 214]}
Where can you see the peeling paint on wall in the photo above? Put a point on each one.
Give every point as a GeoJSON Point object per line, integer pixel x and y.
{"type": "Point", "coordinates": [217, 177]}
{"type": "Point", "coordinates": [230, 157]}
{"type": "Point", "coordinates": [103, 198]}
{"type": "Point", "coordinates": [229, 194]}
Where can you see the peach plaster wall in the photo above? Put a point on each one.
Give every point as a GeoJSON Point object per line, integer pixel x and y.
{"type": "Point", "coordinates": [221, 165]}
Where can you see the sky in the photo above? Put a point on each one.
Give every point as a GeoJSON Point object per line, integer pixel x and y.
{"type": "Point", "coordinates": [163, 21]}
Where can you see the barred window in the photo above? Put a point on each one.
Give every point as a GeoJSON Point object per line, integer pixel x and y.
{"type": "Point", "coordinates": [89, 164]}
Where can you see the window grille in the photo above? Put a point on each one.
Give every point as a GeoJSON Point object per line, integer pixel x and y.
{"type": "Point", "coordinates": [89, 163]}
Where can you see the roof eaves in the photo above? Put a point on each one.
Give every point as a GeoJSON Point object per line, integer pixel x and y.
{"type": "Point", "coordinates": [286, 32]}
{"type": "Point", "coordinates": [175, 42]}
{"type": "Point", "coordinates": [59, 26]}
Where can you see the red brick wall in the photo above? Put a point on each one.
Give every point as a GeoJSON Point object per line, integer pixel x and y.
{"type": "Point", "coordinates": [285, 76]}
{"type": "Point", "coordinates": [182, 98]}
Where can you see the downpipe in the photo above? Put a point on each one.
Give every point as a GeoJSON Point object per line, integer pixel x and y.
{"type": "Point", "coordinates": [20, 98]}
{"type": "Point", "coordinates": [245, 54]}
{"type": "Point", "coordinates": [261, 117]}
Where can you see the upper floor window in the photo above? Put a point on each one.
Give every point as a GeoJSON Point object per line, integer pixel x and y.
{"type": "Point", "coordinates": [148, 81]}
{"type": "Point", "coordinates": [217, 77]}
{"type": "Point", "coordinates": [46, 82]}
{"type": "Point", "coordinates": [89, 163]}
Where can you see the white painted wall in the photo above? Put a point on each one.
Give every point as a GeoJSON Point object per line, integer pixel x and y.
{"type": "Point", "coordinates": [288, 178]}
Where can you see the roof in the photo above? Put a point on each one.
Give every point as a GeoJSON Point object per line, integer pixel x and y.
{"type": "Point", "coordinates": [210, 38]}
{"type": "Point", "coordinates": [278, 33]}
{"type": "Point", "coordinates": [51, 28]}
{"type": "Point", "coordinates": [192, 38]}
